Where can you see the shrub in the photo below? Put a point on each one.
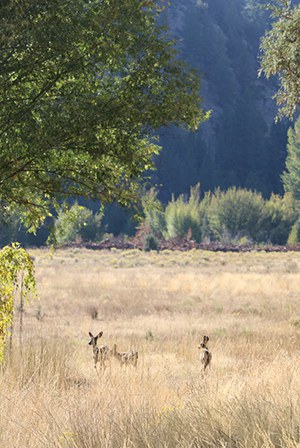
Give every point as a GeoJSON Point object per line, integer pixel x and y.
{"type": "Point", "coordinates": [235, 213]}
{"type": "Point", "coordinates": [154, 213]}
{"type": "Point", "coordinates": [77, 222]}
{"type": "Point", "coordinates": [150, 243]}
{"type": "Point", "coordinates": [185, 217]}
{"type": "Point", "coordinates": [280, 215]}
{"type": "Point", "coordinates": [294, 236]}
{"type": "Point", "coordinates": [233, 216]}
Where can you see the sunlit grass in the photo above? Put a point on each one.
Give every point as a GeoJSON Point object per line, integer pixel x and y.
{"type": "Point", "coordinates": [161, 305]}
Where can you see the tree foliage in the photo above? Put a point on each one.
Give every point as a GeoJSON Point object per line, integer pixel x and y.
{"type": "Point", "coordinates": [294, 236]}
{"type": "Point", "coordinates": [154, 216]}
{"type": "Point", "coordinates": [13, 261]}
{"type": "Point", "coordinates": [235, 213]}
{"type": "Point", "coordinates": [185, 217]}
{"type": "Point", "coordinates": [280, 54]}
{"type": "Point", "coordinates": [83, 86]}
{"type": "Point", "coordinates": [291, 177]}
{"type": "Point", "coordinates": [232, 216]}
{"type": "Point", "coordinates": [280, 215]}
{"type": "Point", "coordinates": [77, 222]}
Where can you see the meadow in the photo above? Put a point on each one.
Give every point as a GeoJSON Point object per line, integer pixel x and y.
{"type": "Point", "coordinates": [160, 304]}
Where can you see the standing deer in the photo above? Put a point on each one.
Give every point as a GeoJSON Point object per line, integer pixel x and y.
{"type": "Point", "coordinates": [100, 354]}
{"type": "Point", "coordinates": [126, 358]}
{"type": "Point", "coordinates": [205, 354]}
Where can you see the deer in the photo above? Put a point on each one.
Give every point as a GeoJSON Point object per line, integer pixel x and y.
{"type": "Point", "coordinates": [205, 354]}
{"type": "Point", "coordinates": [100, 354]}
{"type": "Point", "coordinates": [126, 358]}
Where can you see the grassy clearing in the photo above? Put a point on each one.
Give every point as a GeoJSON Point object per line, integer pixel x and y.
{"type": "Point", "coordinates": [161, 305]}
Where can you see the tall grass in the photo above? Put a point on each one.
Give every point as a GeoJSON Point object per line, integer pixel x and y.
{"type": "Point", "coordinates": [51, 396]}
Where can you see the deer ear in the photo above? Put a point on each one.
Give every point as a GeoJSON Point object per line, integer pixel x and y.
{"type": "Point", "coordinates": [90, 335]}
{"type": "Point", "coordinates": [100, 334]}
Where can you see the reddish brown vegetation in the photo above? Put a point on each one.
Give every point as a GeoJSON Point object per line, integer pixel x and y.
{"type": "Point", "coordinates": [183, 244]}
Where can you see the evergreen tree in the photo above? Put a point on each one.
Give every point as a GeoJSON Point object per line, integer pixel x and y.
{"type": "Point", "coordinates": [291, 177]}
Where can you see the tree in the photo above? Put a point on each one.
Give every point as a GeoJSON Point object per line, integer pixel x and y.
{"type": "Point", "coordinates": [83, 86]}
{"type": "Point", "coordinates": [153, 211]}
{"type": "Point", "coordinates": [280, 54]}
{"type": "Point", "coordinates": [281, 212]}
{"type": "Point", "coordinates": [235, 213]}
{"type": "Point", "coordinates": [291, 177]}
{"type": "Point", "coordinates": [186, 217]}
{"type": "Point", "coordinates": [77, 222]}
{"type": "Point", "coordinates": [13, 261]}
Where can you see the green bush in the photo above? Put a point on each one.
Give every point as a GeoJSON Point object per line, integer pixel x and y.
{"type": "Point", "coordinates": [235, 213]}
{"type": "Point", "coordinates": [294, 236]}
{"type": "Point", "coordinates": [154, 216]}
{"type": "Point", "coordinates": [280, 215]}
{"type": "Point", "coordinates": [185, 217]}
{"type": "Point", "coordinates": [279, 234]}
{"type": "Point", "coordinates": [150, 243]}
{"type": "Point", "coordinates": [77, 222]}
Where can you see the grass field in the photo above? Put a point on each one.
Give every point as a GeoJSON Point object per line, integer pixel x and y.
{"type": "Point", "coordinates": [161, 305]}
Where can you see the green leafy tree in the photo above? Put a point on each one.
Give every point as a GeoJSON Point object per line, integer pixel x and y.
{"type": "Point", "coordinates": [184, 217]}
{"type": "Point", "coordinates": [294, 235]}
{"type": "Point", "coordinates": [13, 261]}
{"type": "Point", "coordinates": [76, 222]}
{"type": "Point", "coordinates": [235, 213]}
{"type": "Point", "coordinates": [83, 86]}
{"type": "Point", "coordinates": [153, 211]}
{"type": "Point", "coordinates": [280, 215]}
{"type": "Point", "coordinates": [291, 177]}
{"type": "Point", "coordinates": [280, 54]}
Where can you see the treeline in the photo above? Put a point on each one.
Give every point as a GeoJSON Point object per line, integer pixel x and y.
{"type": "Point", "coordinates": [234, 216]}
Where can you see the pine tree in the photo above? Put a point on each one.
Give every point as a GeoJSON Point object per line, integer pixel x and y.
{"type": "Point", "coordinates": [291, 177]}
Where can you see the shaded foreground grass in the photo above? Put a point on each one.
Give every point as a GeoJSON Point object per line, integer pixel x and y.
{"type": "Point", "coordinates": [160, 304]}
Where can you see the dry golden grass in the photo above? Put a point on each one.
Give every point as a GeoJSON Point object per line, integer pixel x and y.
{"type": "Point", "coordinates": [161, 305]}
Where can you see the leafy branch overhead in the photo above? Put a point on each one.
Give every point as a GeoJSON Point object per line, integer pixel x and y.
{"type": "Point", "coordinates": [280, 54]}
{"type": "Point", "coordinates": [83, 87]}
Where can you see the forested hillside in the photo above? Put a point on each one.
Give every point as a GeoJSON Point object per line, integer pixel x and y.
{"type": "Point", "coordinates": [240, 145]}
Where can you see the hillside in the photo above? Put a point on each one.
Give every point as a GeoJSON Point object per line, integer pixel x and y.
{"type": "Point", "coordinates": [240, 145]}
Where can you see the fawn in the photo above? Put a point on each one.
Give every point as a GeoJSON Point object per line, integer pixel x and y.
{"type": "Point", "coordinates": [205, 354]}
{"type": "Point", "coordinates": [126, 358]}
{"type": "Point", "coordinates": [100, 354]}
